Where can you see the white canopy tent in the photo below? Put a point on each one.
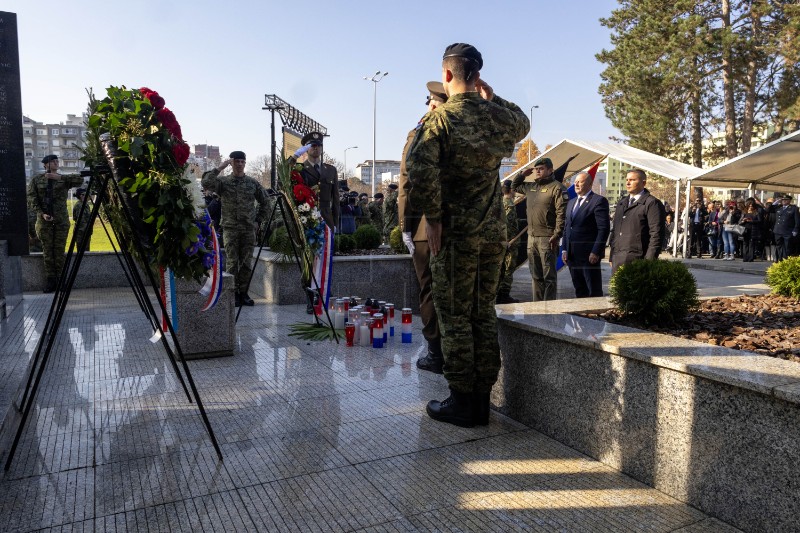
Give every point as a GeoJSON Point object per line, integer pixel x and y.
{"type": "Point", "coordinates": [589, 152]}
{"type": "Point", "coordinates": [772, 167]}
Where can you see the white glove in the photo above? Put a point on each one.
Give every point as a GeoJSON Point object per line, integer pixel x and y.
{"type": "Point", "coordinates": [303, 149]}
{"type": "Point", "coordinates": [408, 241]}
{"type": "Point", "coordinates": [794, 234]}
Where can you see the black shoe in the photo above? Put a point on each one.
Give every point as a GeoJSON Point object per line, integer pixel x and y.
{"type": "Point", "coordinates": [237, 299]}
{"type": "Point", "coordinates": [506, 298]}
{"type": "Point", "coordinates": [456, 409]}
{"type": "Point", "coordinates": [480, 407]}
{"type": "Point", "coordinates": [432, 362]}
{"type": "Point", "coordinates": [50, 285]}
{"type": "Point", "coordinates": [246, 300]}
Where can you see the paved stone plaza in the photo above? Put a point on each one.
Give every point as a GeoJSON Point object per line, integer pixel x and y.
{"type": "Point", "coordinates": [316, 437]}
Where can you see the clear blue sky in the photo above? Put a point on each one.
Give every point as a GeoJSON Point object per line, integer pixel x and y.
{"type": "Point", "coordinates": [214, 61]}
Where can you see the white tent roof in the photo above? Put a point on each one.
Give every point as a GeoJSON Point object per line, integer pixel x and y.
{"type": "Point", "coordinates": [772, 167]}
{"type": "Point", "coordinates": [588, 152]}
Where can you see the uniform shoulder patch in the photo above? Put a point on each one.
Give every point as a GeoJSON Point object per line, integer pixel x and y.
{"type": "Point", "coordinates": [565, 195]}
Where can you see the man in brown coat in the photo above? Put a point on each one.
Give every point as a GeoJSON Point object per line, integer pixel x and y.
{"type": "Point", "coordinates": [412, 224]}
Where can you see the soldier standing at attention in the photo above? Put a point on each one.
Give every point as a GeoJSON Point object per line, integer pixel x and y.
{"type": "Point", "coordinates": [412, 223]}
{"type": "Point", "coordinates": [81, 226]}
{"type": "Point", "coordinates": [363, 206]}
{"type": "Point", "coordinates": [240, 219]}
{"type": "Point", "coordinates": [547, 213]}
{"type": "Point", "coordinates": [47, 197]}
{"type": "Point", "coordinates": [375, 208]}
{"type": "Point", "coordinates": [390, 211]}
{"type": "Point", "coordinates": [510, 259]}
{"type": "Point", "coordinates": [322, 175]}
{"type": "Point", "coordinates": [453, 166]}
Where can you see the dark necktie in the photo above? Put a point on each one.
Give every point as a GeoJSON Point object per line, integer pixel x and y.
{"type": "Point", "coordinates": [316, 167]}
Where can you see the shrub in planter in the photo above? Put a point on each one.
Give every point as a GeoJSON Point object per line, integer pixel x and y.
{"type": "Point", "coordinates": [396, 241]}
{"type": "Point", "coordinates": [654, 290]}
{"type": "Point", "coordinates": [344, 243]}
{"type": "Point", "coordinates": [783, 277]}
{"type": "Point", "coordinates": [279, 242]}
{"type": "Point", "coordinates": [367, 237]}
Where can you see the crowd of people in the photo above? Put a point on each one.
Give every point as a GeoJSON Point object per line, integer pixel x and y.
{"type": "Point", "coordinates": [741, 229]}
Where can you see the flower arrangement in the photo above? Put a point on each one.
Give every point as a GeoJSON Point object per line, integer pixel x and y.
{"type": "Point", "coordinates": [305, 204]}
{"type": "Point", "coordinates": [149, 144]}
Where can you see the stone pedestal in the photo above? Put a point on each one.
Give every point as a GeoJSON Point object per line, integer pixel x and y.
{"type": "Point", "coordinates": [204, 334]}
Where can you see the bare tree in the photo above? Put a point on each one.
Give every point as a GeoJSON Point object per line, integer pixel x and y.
{"type": "Point", "coordinates": [260, 168]}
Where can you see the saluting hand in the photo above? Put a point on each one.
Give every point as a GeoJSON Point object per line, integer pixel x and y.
{"type": "Point", "coordinates": [224, 165]}
{"type": "Point", "coordinates": [484, 89]}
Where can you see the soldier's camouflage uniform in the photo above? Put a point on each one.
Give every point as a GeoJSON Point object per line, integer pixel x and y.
{"type": "Point", "coordinates": [376, 215]}
{"type": "Point", "coordinates": [510, 259]}
{"type": "Point", "coordinates": [389, 213]}
{"type": "Point", "coordinates": [453, 165]}
{"type": "Point", "coordinates": [83, 227]}
{"type": "Point", "coordinates": [53, 235]}
{"type": "Point", "coordinates": [364, 218]}
{"type": "Point", "coordinates": [240, 217]}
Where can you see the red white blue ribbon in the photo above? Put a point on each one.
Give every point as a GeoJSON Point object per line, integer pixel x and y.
{"type": "Point", "coordinates": [323, 269]}
{"type": "Point", "coordinates": [213, 285]}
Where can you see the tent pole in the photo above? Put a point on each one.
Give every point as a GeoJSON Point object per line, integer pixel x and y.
{"type": "Point", "coordinates": [675, 218]}
{"type": "Point", "coordinates": [685, 217]}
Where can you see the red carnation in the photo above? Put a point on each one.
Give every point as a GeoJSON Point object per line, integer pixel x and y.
{"type": "Point", "coordinates": [169, 121]}
{"type": "Point", "coordinates": [297, 179]}
{"type": "Point", "coordinates": [155, 99]}
{"type": "Point", "coordinates": [181, 152]}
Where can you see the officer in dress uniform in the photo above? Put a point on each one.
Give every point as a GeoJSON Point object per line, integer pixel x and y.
{"type": "Point", "coordinates": [323, 175]}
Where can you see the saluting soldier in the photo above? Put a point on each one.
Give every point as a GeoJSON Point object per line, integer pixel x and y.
{"type": "Point", "coordinates": [390, 210]}
{"type": "Point", "coordinates": [323, 175]}
{"type": "Point", "coordinates": [240, 218]}
{"type": "Point", "coordinates": [547, 213]}
{"type": "Point", "coordinates": [452, 165]}
{"type": "Point", "coordinates": [47, 197]}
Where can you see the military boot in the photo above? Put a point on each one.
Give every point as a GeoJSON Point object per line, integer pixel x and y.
{"type": "Point", "coordinates": [246, 300]}
{"type": "Point", "coordinates": [50, 285]}
{"type": "Point", "coordinates": [457, 409]}
{"type": "Point", "coordinates": [480, 407]}
{"type": "Point", "coordinates": [505, 298]}
{"type": "Point", "coordinates": [433, 360]}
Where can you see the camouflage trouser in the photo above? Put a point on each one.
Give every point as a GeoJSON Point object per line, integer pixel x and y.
{"type": "Point", "coordinates": [54, 240]}
{"type": "Point", "coordinates": [542, 264]}
{"type": "Point", "coordinates": [509, 266]}
{"type": "Point", "coordinates": [79, 235]}
{"type": "Point", "coordinates": [465, 278]}
{"type": "Point", "coordinates": [239, 254]}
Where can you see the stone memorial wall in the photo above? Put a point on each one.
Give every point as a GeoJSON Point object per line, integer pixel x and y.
{"type": "Point", "coordinates": [13, 213]}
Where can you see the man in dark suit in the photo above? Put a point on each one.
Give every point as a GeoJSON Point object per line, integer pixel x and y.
{"type": "Point", "coordinates": [698, 216]}
{"type": "Point", "coordinates": [585, 234]}
{"type": "Point", "coordinates": [412, 224]}
{"type": "Point", "coordinates": [638, 223]}
{"type": "Point", "coordinates": [315, 172]}
{"type": "Point", "coordinates": [787, 226]}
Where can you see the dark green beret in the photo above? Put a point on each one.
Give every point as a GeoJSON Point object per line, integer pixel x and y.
{"type": "Point", "coordinates": [354, 194]}
{"type": "Point", "coordinates": [393, 186]}
{"type": "Point", "coordinates": [314, 137]}
{"type": "Point", "coordinates": [238, 154]}
{"type": "Point", "coordinates": [80, 192]}
{"type": "Point", "coordinates": [46, 159]}
{"type": "Point", "coordinates": [507, 184]}
{"type": "Point", "coordinates": [466, 51]}
{"type": "Point", "coordinates": [378, 195]}
{"type": "Point", "coordinates": [436, 90]}
{"type": "Point", "coordinates": [544, 161]}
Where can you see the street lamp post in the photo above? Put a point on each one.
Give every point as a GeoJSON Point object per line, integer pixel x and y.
{"type": "Point", "coordinates": [378, 76]}
{"type": "Point", "coordinates": [530, 133]}
{"type": "Point", "coordinates": [345, 161]}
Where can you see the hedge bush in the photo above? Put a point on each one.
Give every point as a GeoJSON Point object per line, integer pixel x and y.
{"type": "Point", "coordinates": [396, 241]}
{"type": "Point", "coordinates": [367, 237]}
{"type": "Point", "coordinates": [654, 291]}
{"type": "Point", "coordinates": [344, 243]}
{"type": "Point", "coordinates": [783, 277]}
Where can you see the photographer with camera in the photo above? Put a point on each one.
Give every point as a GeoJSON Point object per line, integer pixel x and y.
{"type": "Point", "coordinates": [47, 197]}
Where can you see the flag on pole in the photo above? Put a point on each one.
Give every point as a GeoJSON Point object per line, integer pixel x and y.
{"type": "Point", "coordinates": [323, 269]}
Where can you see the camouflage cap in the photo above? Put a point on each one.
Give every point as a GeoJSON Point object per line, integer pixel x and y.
{"type": "Point", "coordinates": [543, 161]}
{"type": "Point", "coordinates": [314, 137]}
{"type": "Point", "coordinates": [437, 94]}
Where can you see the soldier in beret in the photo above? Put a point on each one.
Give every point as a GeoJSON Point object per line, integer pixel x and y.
{"type": "Point", "coordinates": [547, 213]}
{"type": "Point", "coordinates": [452, 166]}
{"type": "Point", "coordinates": [47, 197]}
{"type": "Point", "coordinates": [510, 259]}
{"type": "Point", "coordinates": [412, 224]}
{"type": "Point", "coordinates": [375, 209]}
{"type": "Point", "coordinates": [363, 210]}
{"type": "Point", "coordinates": [81, 226]}
{"type": "Point", "coordinates": [239, 194]}
{"type": "Point", "coordinates": [390, 210]}
{"type": "Point", "coordinates": [317, 173]}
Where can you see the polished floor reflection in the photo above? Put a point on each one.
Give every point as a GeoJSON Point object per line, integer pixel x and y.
{"type": "Point", "coordinates": [316, 437]}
